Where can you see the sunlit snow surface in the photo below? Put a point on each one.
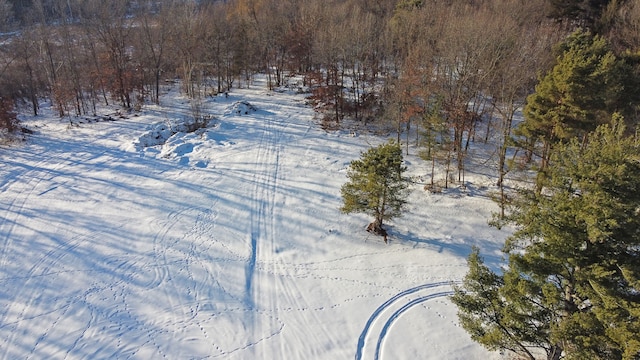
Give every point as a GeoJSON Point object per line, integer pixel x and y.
{"type": "Point", "coordinates": [226, 242]}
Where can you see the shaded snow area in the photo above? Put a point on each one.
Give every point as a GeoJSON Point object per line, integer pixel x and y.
{"type": "Point", "coordinates": [142, 238]}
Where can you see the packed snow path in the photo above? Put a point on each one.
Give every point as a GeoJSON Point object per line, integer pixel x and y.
{"type": "Point", "coordinates": [227, 243]}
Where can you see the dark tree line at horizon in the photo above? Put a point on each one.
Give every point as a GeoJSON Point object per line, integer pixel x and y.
{"type": "Point", "coordinates": [82, 53]}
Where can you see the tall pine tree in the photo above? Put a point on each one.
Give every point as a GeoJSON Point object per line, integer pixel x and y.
{"type": "Point", "coordinates": [572, 286]}
{"type": "Point", "coordinates": [574, 97]}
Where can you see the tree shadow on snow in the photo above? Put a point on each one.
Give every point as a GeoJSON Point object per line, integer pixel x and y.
{"type": "Point", "coordinates": [459, 247]}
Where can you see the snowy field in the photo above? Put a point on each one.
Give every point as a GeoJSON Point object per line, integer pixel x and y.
{"type": "Point", "coordinates": [131, 239]}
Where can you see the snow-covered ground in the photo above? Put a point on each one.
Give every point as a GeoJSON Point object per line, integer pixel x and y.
{"type": "Point", "coordinates": [131, 239]}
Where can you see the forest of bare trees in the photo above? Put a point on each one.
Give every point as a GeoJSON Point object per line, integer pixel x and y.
{"type": "Point", "coordinates": [429, 64]}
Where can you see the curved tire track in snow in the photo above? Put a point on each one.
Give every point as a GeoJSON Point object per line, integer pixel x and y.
{"type": "Point", "coordinates": [16, 310]}
{"type": "Point", "coordinates": [40, 175]}
{"type": "Point", "coordinates": [184, 260]}
{"type": "Point", "coordinates": [37, 172]}
{"type": "Point", "coordinates": [400, 311]}
{"type": "Point", "coordinates": [40, 172]}
{"type": "Point", "coordinates": [13, 209]}
{"type": "Point", "coordinates": [401, 302]}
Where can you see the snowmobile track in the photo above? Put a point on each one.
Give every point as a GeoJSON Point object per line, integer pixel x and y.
{"type": "Point", "coordinates": [390, 304]}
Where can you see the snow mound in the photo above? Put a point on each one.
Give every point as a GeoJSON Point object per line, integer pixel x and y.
{"type": "Point", "coordinates": [178, 146]}
{"type": "Point", "coordinates": [240, 108]}
{"type": "Point", "coordinates": [181, 140]}
{"type": "Point", "coordinates": [184, 148]}
{"type": "Point", "coordinates": [159, 133]}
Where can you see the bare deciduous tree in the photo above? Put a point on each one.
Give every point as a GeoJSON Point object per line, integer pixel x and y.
{"type": "Point", "coordinates": [525, 45]}
{"type": "Point", "coordinates": [625, 34]}
{"type": "Point", "coordinates": [26, 67]}
{"type": "Point", "coordinates": [153, 34]}
{"type": "Point", "coordinates": [110, 23]}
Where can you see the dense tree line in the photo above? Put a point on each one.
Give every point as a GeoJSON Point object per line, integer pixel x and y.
{"type": "Point", "coordinates": [82, 53]}
{"type": "Point", "coordinates": [126, 46]}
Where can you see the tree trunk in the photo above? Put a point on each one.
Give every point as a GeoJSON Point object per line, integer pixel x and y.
{"type": "Point", "coordinates": [555, 353]}
{"type": "Point", "coordinates": [376, 228]}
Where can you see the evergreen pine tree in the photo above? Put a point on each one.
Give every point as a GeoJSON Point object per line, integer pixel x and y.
{"type": "Point", "coordinates": [572, 286]}
{"type": "Point", "coordinates": [489, 317]}
{"type": "Point", "coordinates": [376, 185]}
{"type": "Point", "coordinates": [572, 98]}
{"type": "Point", "coordinates": [583, 89]}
